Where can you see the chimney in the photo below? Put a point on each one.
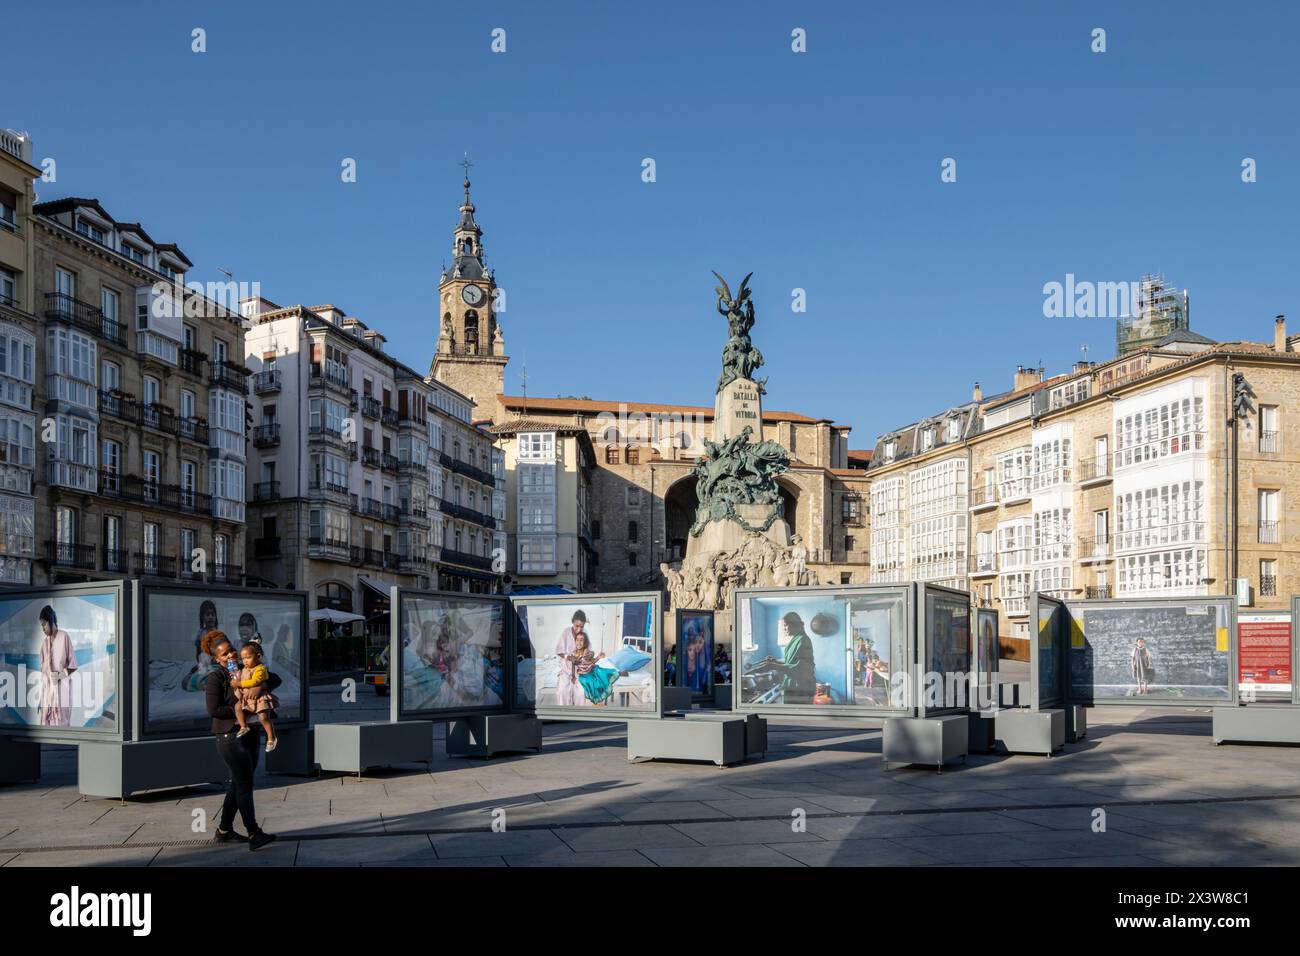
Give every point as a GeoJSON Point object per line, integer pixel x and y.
{"type": "Point", "coordinates": [1026, 377]}
{"type": "Point", "coordinates": [977, 394]}
{"type": "Point", "coordinates": [1279, 334]}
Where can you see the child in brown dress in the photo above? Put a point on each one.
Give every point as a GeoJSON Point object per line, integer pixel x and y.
{"type": "Point", "coordinates": [252, 696]}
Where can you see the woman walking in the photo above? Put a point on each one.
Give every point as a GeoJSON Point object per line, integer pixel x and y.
{"type": "Point", "coordinates": [239, 753]}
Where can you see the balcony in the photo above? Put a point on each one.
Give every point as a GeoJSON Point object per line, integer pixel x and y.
{"type": "Point", "coordinates": [328, 548]}
{"type": "Point", "coordinates": [1269, 442]}
{"type": "Point", "coordinates": [389, 417]}
{"type": "Point", "coordinates": [62, 554]}
{"type": "Point", "coordinates": [266, 491]}
{"type": "Point", "coordinates": [392, 513]}
{"type": "Point", "coordinates": [1014, 492]}
{"type": "Point", "coordinates": [266, 435]}
{"type": "Point", "coordinates": [466, 469]}
{"type": "Point", "coordinates": [158, 417]}
{"type": "Point", "coordinates": [370, 457]}
{"type": "Point", "coordinates": [325, 433]}
{"type": "Point", "coordinates": [320, 377]}
{"type": "Point", "coordinates": [1094, 549]}
{"type": "Point", "coordinates": [83, 315]}
{"type": "Point", "coordinates": [1016, 605]}
{"type": "Point", "coordinates": [266, 383]}
{"type": "Point", "coordinates": [412, 563]}
{"type": "Point", "coordinates": [318, 487]}
{"type": "Point", "coordinates": [983, 564]}
{"type": "Point", "coordinates": [465, 559]}
{"type": "Point", "coordinates": [69, 474]}
{"type": "Point", "coordinates": [1268, 585]}
{"type": "Point", "coordinates": [155, 565]}
{"type": "Point", "coordinates": [193, 429]}
{"type": "Point", "coordinates": [191, 362]}
{"type": "Point", "coordinates": [371, 507]}
{"type": "Point", "coordinates": [984, 498]}
{"type": "Point", "coordinates": [193, 502]}
{"type": "Point", "coordinates": [118, 405]}
{"type": "Point", "coordinates": [229, 375]}
{"type": "Point", "coordinates": [264, 548]}
{"type": "Point", "coordinates": [389, 462]}
{"type": "Point", "coordinates": [116, 561]}
{"type": "Point", "coordinates": [1094, 471]}
{"type": "Point", "coordinates": [413, 517]}
{"type": "Point", "coordinates": [1269, 532]}
{"type": "Point", "coordinates": [1100, 592]}
{"type": "Point", "coordinates": [370, 407]}
{"type": "Point", "coordinates": [467, 514]}
{"type": "Point", "coordinates": [227, 574]}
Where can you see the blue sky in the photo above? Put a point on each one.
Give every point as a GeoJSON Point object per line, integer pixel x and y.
{"type": "Point", "coordinates": [818, 171]}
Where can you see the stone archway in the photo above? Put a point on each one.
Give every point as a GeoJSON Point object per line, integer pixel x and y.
{"type": "Point", "coordinates": [790, 495]}
{"type": "Point", "coordinates": [679, 514]}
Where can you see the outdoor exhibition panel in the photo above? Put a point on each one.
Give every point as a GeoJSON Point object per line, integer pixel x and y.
{"type": "Point", "coordinates": [945, 667]}
{"type": "Point", "coordinates": [448, 654]}
{"type": "Point", "coordinates": [1156, 651]}
{"type": "Point", "coordinates": [172, 669]}
{"type": "Point", "coordinates": [824, 651]}
{"type": "Point", "coordinates": [1046, 652]}
{"type": "Point", "coordinates": [588, 656]}
{"type": "Point", "coordinates": [1265, 665]}
{"type": "Point", "coordinates": [695, 649]}
{"type": "Point", "coordinates": [984, 666]}
{"type": "Point", "coordinates": [64, 662]}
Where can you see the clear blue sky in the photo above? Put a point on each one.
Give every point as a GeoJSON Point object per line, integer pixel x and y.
{"type": "Point", "coordinates": [817, 170]}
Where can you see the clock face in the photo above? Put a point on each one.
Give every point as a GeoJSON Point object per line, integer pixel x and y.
{"type": "Point", "coordinates": [472, 294]}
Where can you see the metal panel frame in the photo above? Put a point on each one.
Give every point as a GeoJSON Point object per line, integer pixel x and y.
{"type": "Point", "coordinates": [1233, 652]}
{"type": "Point", "coordinates": [908, 591]}
{"type": "Point", "coordinates": [124, 662]}
{"type": "Point", "coordinates": [396, 711]}
{"type": "Point", "coordinates": [1295, 650]}
{"type": "Point", "coordinates": [979, 614]}
{"type": "Point", "coordinates": [1041, 698]}
{"type": "Point", "coordinates": [924, 590]}
{"type": "Point", "coordinates": [144, 589]}
{"type": "Point", "coordinates": [591, 713]}
{"type": "Point", "coordinates": [679, 673]}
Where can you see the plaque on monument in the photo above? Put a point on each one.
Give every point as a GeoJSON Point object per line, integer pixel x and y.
{"type": "Point", "coordinates": [737, 405]}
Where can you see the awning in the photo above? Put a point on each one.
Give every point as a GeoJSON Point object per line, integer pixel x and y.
{"type": "Point", "coordinates": [379, 587]}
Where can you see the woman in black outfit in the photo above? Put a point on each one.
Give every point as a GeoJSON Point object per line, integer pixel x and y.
{"type": "Point", "coordinates": [239, 753]}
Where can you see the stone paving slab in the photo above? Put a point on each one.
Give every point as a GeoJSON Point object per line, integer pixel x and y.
{"type": "Point", "coordinates": [1170, 796]}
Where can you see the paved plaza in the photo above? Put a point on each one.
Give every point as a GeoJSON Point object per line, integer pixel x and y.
{"type": "Point", "coordinates": [1170, 798]}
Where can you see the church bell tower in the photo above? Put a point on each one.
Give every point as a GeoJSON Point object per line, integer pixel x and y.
{"type": "Point", "coordinates": [471, 355]}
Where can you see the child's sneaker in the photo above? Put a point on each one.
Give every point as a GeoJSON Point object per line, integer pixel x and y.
{"type": "Point", "coordinates": [245, 730]}
{"type": "Point", "coordinates": [271, 745]}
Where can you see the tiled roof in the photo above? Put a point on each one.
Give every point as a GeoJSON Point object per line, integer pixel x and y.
{"type": "Point", "coordinates": [649, 408]}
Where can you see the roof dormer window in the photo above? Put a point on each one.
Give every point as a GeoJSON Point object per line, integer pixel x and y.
{"type": "Point", "coordinates": [927, 439]}
{"type": "Point", "coordinates": [891, 449]}
{"type": "Point", "coordinates": [91, 231]}
{"type": "Point", "coordinates": [134, 253]}
{"type": "Point", "coordinates": [954, 429]}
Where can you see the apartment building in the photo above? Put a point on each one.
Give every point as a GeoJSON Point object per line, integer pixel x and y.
{"type": "Point", "coordinates": [548, 472]}
{"type": "Point", "coordinates": [18, 324]}
{"type": "Point", "coordinates": [143, 382]}
{"type": "Point", "coordinates": [1116, 480]}
{"type": "Point", "coordinates": [365, 474]}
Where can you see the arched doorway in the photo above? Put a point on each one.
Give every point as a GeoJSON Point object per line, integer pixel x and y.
{"type": "Point", "coordinates": [790, 498]}
{"type": "Point", "coordinates": [679, 515]}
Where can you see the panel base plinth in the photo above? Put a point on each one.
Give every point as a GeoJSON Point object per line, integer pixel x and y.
{"type": "Point", "coordinates": [928, 741]}
{"type": "Point", "coordinates": [1031, 731]}
{"type": "Point", "coordinates": [117, 769]}
{"type": "Point", "coordinates": [485, 736]}
{"type": "Point", "coordinates": [720, 740]}
{"type": "Point", "coordinates": [355, 747]}
{"type": "Point", "coordinates": [1257, 723]}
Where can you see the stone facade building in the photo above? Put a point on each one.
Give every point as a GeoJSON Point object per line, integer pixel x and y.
{"type": "Point", "coordinates": [142, 382]}
{"type": "Point", "coordinates": [365, 474]}
{"type": "Point", "coordinates": [18, 324]}
{"type": "Point", "coordinates": [1116, 480]}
